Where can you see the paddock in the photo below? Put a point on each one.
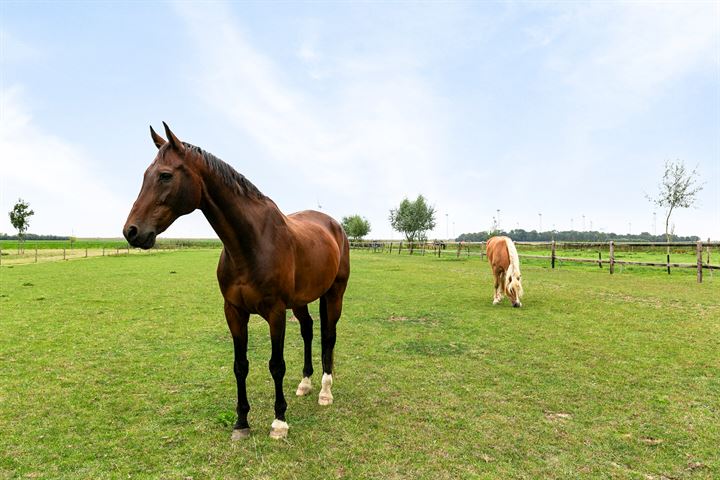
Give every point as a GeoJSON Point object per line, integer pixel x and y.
{"type": "Point", "coordinates": [596, 376]}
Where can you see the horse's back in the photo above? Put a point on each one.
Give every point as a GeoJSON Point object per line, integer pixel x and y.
{"type": "Point", "coordinates": [498, 255]}
{"type": "Point", "coordinates": [311, 226]}
{"type": "Point", "coordinates": [321, 240]}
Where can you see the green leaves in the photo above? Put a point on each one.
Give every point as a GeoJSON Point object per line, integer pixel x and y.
{"type": "Point", "coordinates": [355, 226]}
{"type": "Point", "coordinates": [413, 218]}
{"type": "Point", "coordinates": [19, 216]}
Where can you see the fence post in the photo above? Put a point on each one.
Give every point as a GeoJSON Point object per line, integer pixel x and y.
{"type": "Point", "coordinates": [699, 261]}
{"type": "Point", "coordinates": [103, 251]}
{"type": "Point", "coordinates": [708, 252]}
{"type": "Point", "coordinates": [63, 254]}
{"type": "Point", "coordinates": [552, 255]}
{"type": "Point", "coordinates": [85, 252]}
{"type": "Point", "coordinates": [400, 247]}
{"type": "Point", "coordinates": [599, 259]}
{"type": "Point", "coordinates": [35, 253]}
{"type": "Point", "coordinates": [612, 257]}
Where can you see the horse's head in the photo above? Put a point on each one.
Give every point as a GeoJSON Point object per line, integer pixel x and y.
{"type": "Point", "coordinates": [170, 189]}
{"type": "Point", "coordinates": [514, 288]}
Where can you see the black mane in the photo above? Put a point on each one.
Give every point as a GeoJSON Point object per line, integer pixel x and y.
{"type": "Point", "coordinates": [231, 177]}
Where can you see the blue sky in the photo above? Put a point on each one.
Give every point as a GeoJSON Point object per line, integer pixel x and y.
{"type": "Point", "coordinates": [561, 109]}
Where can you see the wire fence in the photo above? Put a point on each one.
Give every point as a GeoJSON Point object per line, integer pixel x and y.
{"type": "Point", "coordinates": [701, 256]}
{"type": "Point", "coordinates": [36, 254]}
{"type": "Point", "coordinates": [697, 255]}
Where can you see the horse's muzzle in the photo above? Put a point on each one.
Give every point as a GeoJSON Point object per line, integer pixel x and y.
{"type": "Point", "coordinates": [139, 239]}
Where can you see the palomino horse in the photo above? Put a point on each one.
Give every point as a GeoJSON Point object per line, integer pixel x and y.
{"type": "Point", "coordinates": [505, 264]}
{"type": "Point", "coordinates": [270, 262]}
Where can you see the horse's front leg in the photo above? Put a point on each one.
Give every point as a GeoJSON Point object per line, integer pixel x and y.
{"type": "Point", "coordinates": [237, 321]}
{"type": "Point", "coordinates": [276, 320]}
{"type": "Point", "coordinates": [497, 297]}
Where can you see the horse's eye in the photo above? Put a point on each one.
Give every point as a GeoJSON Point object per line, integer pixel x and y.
{"type": "Point", "coordinates": [165, 176]}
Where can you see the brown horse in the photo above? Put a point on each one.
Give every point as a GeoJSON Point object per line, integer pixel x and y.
{"type": "Point", "coordinates": [270, 262]}
{"type": "Point", "coordinates": [505, 264]}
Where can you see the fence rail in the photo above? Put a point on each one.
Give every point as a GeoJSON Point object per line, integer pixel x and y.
{"type": "Point", "coordinates": [699, 250]}
{"type": "Point", "coordinates": [29, 255]}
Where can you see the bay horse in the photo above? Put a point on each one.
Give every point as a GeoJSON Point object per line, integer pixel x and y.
{"type": "Point", "coordinates": [270, 262]}
{"type": "Point", "coordinates": [505, 265]}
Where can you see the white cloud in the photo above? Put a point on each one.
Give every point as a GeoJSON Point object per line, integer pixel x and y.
{"type": "Point", "coordinates": [372, 138]}
{"type": "Point", "coordinates": [54, 176]}
{"type": "Point", "coordinates": [617, 58]}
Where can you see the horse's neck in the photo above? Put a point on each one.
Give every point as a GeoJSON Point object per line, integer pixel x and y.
{"type": "Point", "coordinates": [242, 221]}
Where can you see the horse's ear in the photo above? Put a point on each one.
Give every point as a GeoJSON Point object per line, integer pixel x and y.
{"type": "Point", "coordinates": [157, 139]}
{"type": "Point", "coordinates": [174, 141]}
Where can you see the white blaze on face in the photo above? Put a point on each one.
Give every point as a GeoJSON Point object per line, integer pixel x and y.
{"type": "Point", "coordinates": [512, 276]}
{"type": "Point", "coordinates": [326, 397]}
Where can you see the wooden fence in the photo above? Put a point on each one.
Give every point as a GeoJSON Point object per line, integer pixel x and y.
{"type": "Point", "coordinates": [702, 252]}
{"type": "Point", "coordinates": [29, 254]}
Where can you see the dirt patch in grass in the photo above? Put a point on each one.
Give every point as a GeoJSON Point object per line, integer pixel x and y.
{"type": "Point", "coordinates": [558, 416]}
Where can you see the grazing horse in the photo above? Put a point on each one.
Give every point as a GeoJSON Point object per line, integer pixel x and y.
{"type": "Point", "coordinates": [270, 262]}
{"type": "Point", "coordinates": [505, 264]}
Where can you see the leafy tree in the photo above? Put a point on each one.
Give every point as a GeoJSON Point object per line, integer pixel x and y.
{"type": "Point", "coordinates": [20, 219]}
{"type": "Point", "coordinates": [413, 219]}
{"type": "Point", "coordinates": [678, 189]}
{"type": "Point", "coordinates": [356, 227]}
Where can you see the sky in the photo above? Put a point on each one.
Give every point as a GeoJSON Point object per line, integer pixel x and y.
{"type": "Point", "coordinates": [545, 115]}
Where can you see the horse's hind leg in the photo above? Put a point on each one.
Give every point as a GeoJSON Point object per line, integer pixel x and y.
{"type": "Point", "coordinates": [330, 310]}
{"type": "Point", "coordinates": [306, 324]}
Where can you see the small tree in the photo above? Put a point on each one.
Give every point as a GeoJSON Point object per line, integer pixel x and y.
{"type": "Point", "coordinates": [678, 189]}
{"type": "Point", "coordinates": [413, 219]}
{"type": "Point", "coordinates": [20, 219]}
{"type": "Point", "coordinates": [356, 227]}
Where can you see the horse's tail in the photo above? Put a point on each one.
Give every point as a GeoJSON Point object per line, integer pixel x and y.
{"type": "Point", "coordinates": [512, 276]}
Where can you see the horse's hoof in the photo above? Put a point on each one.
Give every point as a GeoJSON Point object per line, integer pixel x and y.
{"type": "Point", "coordinates": [326, 396]}
{"type": "Point", "coordinates": [495, 302]}
{"type": "Point", "coordinates": [278, 429]}
{"type": "Point", "coordinates": [240, 433]}
{"type": "Point", "coordinates": [304, 388]}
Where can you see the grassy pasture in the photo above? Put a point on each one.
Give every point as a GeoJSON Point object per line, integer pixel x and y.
{"type": "Point", "coordinates": [122, 367]}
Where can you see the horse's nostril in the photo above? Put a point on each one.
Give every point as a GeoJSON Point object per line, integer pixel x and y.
{"type": "Point", "coordinates": [132, 232]}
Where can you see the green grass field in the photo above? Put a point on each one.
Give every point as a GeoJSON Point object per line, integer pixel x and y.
{"type": "Point", "coordinates": [121, 367]}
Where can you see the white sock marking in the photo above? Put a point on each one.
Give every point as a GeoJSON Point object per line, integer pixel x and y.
{"type": "Point", "coordinates": [304, 388]}
{"type": "Point", "coordinates": [326, 396]}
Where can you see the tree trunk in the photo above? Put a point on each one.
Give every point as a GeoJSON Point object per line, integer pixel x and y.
{"type": "Point", "coordinates": [667, 238]}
